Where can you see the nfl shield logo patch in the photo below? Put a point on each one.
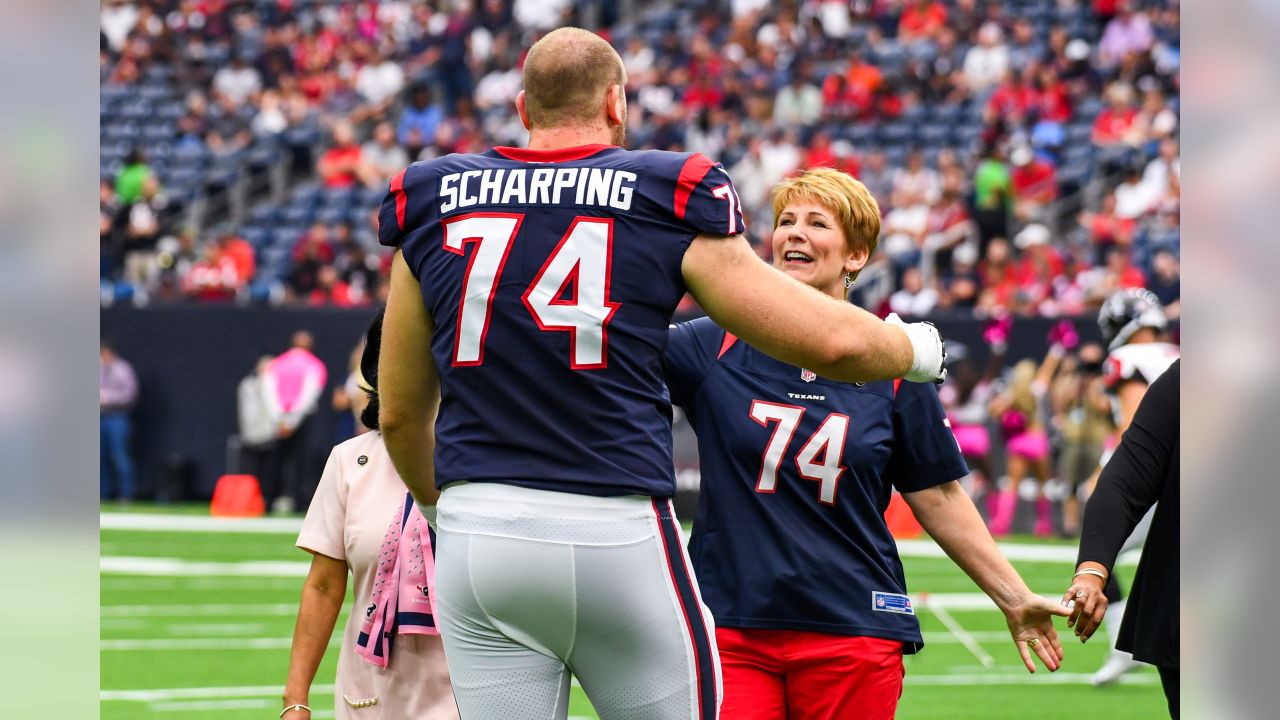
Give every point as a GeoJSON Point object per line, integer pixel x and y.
{"type": "Point", "coordinates": [808, 375]}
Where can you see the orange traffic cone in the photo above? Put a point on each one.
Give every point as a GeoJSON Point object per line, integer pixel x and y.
{"type": "Point", "coordinates": [237, 496]}
{"type": "Point", "coordinates": [901, 521]}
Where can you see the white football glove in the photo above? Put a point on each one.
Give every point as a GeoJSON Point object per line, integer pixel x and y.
{"type": "Point", "coordinates": [930, 353]}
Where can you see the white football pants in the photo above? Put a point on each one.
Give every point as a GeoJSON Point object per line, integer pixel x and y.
{"type": "Point", "coordinates": [534, 586]}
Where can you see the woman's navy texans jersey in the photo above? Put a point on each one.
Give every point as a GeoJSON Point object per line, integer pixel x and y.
{"type": "Point", "coordinates": [551, 277]}
{"type": "Point", "coordinates": [797, 471]}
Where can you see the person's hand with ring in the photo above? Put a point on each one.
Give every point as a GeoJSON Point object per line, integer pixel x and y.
{"type": "Point", "coordinates": [1031, 625]}
{"type": "Point", "coordinates": [1086, 599]}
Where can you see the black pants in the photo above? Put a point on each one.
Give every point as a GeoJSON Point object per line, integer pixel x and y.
{"type": "Point", "coordinates": [1169, 679]}
{"type": "Point", "coordinates": [287, 472]}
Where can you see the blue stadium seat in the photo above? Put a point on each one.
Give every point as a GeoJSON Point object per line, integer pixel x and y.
{"type": "Point", "coordinates": [255, 235]}
{"type": "Point", "coordinates": [339, 197]}
{"type": "Point", "coordinates": [308, 194]}
{"type": "Point", "coordinates": [331, 215]}
{"type": "Point", "coordinates": [1088, 108]}
{"type": "Point", "coordinates": [298, 214]}
{"type": "Point", "coordinates": [934, 134]}
{"type": "Point", "coordinates": [265, 215]}
{"type": "Point", "coordinates": [897, 133]}
{"type": "Point", "coordinates": [284, 237]}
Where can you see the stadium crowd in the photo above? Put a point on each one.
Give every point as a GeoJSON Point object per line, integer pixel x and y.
{"type": "Point", "coordinates": [1024, 153]}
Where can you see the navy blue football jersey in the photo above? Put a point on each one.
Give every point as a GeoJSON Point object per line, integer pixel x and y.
{"type": "Point", "coordinates": [551, 277]}
{"type": "Point", "coordinates": [797, 472]}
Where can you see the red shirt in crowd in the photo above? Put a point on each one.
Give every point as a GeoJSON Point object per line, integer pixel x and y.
{"type": "Point", "coordinates": [1034, 181]}
{"type": "Point", "coordinates": [1111, 126]}
{"type": "Point", "coordinates": [921, 22]}
{"type": "Point", "coordinates": [337, 166]}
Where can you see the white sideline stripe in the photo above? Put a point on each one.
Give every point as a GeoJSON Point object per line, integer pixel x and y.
{"type": "Point", "coordinates": [222, 643]}
{"type": "Point", "coordinates": [1059, 678]}
{"type": "Point", "coordinates": [125, 565]}
{"type": "Point", "coordinates": [1040, 678]}
{"type": "Point", "coordinates": [198, 705]}
{"type": "Point", "coordinates": [195, 611]}
{"type": "Point", "coordinates": [198, 523]}
{"type": "Point", "coordinates": [198, 693]}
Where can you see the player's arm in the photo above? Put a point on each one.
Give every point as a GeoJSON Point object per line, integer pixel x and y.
{"type": "Point", "coordinates": [948, 515]}
{"type": "Point", "coordinates": [797, 324]}
{"type": "Point", "coordinates": [1129, 394]}
{"type": "Point", "coordinates": [408, 386]}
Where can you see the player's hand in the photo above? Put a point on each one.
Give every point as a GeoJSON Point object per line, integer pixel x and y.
{"type": "Point", "coordinates": [929, 351]}
{"type": "Point", "coordinates": [1087, 604]}
{"type": "Point", "coordinates": [1031, 625]}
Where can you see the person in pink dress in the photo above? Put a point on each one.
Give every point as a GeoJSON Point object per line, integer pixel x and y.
{"type": "Point", "coordinates": [346, 531]}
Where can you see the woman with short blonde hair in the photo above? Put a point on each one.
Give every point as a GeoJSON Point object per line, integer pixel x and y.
{"type": "Point", "coordinates": [790, 544]}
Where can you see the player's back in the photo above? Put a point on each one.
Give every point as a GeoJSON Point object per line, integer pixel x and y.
{"type": "Point", "coordinates": [551, 277]}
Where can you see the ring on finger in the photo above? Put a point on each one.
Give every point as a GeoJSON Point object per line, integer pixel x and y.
{"type": "Point", "coordinates": [1033, 643]}
{"type": "Point", "coordinates": [1081, 593]}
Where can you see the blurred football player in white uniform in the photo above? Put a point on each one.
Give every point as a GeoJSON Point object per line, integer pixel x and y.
{"type": "Point", "coordinates": [1133, 325]}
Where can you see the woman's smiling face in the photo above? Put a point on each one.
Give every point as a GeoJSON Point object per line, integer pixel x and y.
{"type": "Point", "coordinates": [809, 245]}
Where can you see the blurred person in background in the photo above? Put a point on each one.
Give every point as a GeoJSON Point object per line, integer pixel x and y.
{"type": "Point", "coordinates": [1019, 407]}
{"type": "Point", "coordinates": [965, 399]}
{"type": "Point", "coordinates": [298, 377]}
{"type": "Point", "coordinates": [117, 394]}
{"type": "Point", "coordinates": [1133, 324]}
{"type": "Point", "coordinates": [418, 120]}
{"type": "Point", "coordinates": [143, 229]}
{"type": "Point", "coordinates": [1084, 422]}
{"type": "Point", "coordinates": [109, 243]}
{"type": "Point", "coordinates": [1034, 184]}
{"type": "Point", "coordinates": [987, 61]}
{"type": "Point", "coordinates": [257, 411]}
{"type": "Point", "coordinates": [992, 195]}
{"type": "Point", "coordinates": [382, 155]}
{"type": "Point", "coordinates": [399, 671]}
{"type": "Point", "coordinates": [1166, 281]}
{"type": "Point", "coordinates": [791, 643]}
{"type": "Point", "coordinates": [914, 299]}
{"type": "Point", "coordinates": [131, 178]}
{"type": "Point", "coordinates": [341, 165]}
{"type": "Point", "coordinates": [1140, 482]}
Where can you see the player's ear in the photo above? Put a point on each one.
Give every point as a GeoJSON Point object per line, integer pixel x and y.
{"type": "Point", "coordinates": [615, 105]}
{"type": "Point", "coordinates": [523, 111]}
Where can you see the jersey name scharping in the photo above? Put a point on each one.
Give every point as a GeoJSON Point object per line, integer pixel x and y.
{"type": "Point", "coordinates": [537, 186]}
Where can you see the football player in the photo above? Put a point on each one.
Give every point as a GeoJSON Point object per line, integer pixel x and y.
{"type": "Point", "coordinates": [522, 373]}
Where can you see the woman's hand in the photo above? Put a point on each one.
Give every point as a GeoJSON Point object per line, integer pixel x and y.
{"type": "Point", "coordinates": [1031, 625]}
{"type": "Point", "coordinates": [1087, 603]}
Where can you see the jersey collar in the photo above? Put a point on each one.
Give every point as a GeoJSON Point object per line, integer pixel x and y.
{"type": "Point", "coordinates": [551, 156]}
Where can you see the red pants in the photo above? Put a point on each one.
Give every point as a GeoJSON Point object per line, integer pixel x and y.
{"type": "Point", "coordinates": [797, 675]}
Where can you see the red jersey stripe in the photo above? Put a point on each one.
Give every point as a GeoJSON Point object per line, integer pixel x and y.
{"type": "Point", "coordinates": [695, 168]}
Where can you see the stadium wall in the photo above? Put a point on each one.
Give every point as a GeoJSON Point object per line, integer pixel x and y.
{"type": "Point", "coordinates": [189, 360]}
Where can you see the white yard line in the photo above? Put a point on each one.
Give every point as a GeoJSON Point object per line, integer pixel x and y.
{"type": "Point", "coordinates": [1039, 678]}
{"type": "Point", "coordinates": [291, 526]}
{"type": "Point", "coordinates": [967, 640]}
{"type": "Point", "coordinates": [222, 643]}
{"type": "Point", "coordinates": [167, 566]}
{"type": "Point", "coordinates": [198, 523]}
{"type": "Point", "coordinates": [197, 611]}
{"type": "Point", "coordinates": [198, 693]}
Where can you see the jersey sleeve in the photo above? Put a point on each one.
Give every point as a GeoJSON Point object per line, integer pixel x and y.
{"type": "Point", "coordinates": [407, 209]}
{"type": "Point", "coordinates": [323, 527]}
{"type": "Point", "coordinates": [705, 199]}
{"type": "Point", "coordinates": [692, 349]}
{"type": "Point", "coordinates": [925, 452]}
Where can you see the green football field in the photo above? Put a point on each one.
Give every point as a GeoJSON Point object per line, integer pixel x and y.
{"type": "Point", "coordinates": [197, 616]}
